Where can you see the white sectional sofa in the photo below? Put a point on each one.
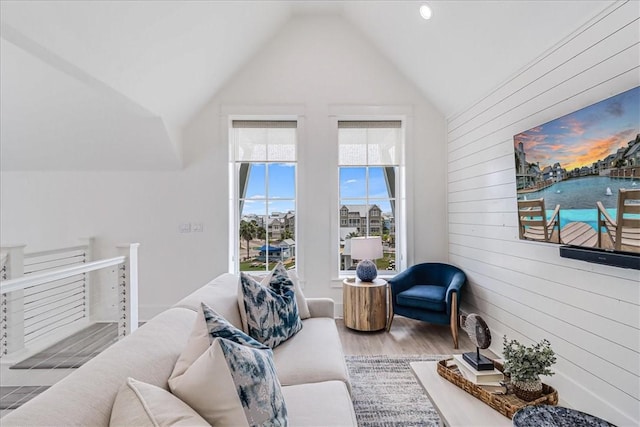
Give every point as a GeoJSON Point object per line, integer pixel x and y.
{"type": "Point", "coordinates": [310, 366]}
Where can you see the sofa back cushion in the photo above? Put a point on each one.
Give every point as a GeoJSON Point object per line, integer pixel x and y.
{"type": "Point", "coordinates": [221, 294]}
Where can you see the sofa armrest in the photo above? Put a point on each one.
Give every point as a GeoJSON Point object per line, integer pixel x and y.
{"type": "Point", "coordinates": [321, 307]}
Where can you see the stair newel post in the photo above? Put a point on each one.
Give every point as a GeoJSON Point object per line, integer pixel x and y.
{"type": "Point", "coordinates": [12, 303]}
{"type": "Point", "coordinates": [128, 290]}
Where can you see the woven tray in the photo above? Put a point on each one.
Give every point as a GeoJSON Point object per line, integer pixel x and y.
{"type": "Point", "coordinates": [506, 404]}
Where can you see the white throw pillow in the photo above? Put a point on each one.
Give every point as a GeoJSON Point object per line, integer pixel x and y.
{"type": "Point", "coordinates": [208, 325]}
{"type": "Point", "coordinates": [270, 312]}
{"type": "Point", "coordinates": [141, 404]}
{"type": "Point", "coordinates": [233, 385]}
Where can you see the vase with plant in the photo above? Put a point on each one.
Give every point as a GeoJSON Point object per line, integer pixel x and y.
{"type": "Point", "coordinates": [525, 365]}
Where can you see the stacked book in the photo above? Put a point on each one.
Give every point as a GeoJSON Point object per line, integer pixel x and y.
{"type": "Point", "coordinates": [491, 381]}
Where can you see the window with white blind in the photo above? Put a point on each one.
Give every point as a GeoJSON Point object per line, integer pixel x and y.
{"type": "Point", "coordinates": [370, 155]}
{"type": "Point", "coordinates": [263, 194]}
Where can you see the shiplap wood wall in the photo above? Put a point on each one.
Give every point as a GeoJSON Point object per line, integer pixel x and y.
{"type": "Point", "coordinates": [590, 313]}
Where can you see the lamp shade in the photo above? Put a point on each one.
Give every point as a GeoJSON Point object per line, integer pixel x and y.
{"type": "Point", "coordinates": [366, 247]}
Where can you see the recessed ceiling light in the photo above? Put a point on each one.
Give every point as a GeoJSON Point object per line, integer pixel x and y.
{"type": "Point", "coordinates": [425, 11]}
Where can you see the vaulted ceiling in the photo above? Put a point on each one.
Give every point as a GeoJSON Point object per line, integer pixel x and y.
{"type": "Point", "coordinates": [125, 77]}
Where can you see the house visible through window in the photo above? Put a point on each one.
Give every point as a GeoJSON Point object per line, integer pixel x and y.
{"type": "Point", "coordinates": [264, 173]}
{"type": "Point", "coordinates": [369, 159]}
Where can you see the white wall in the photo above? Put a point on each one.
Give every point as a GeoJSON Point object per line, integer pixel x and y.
{"type": "Point", "coordinates": [312, 65]}
{"type": "Point", "coordinates": [590, 313]}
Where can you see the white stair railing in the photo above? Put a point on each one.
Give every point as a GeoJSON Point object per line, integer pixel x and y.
{"type": "Point", "coordinates": [59, 305]}
{"type": "Point", "coordinates": [51, 287]}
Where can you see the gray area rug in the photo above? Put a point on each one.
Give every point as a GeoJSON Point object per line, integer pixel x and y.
{"type": "Point", "coordinates": [385, 392]}
{"type": "Point", "coordinates": [75, 350]}
{"type": "Point", "coordinates": [14, 397]}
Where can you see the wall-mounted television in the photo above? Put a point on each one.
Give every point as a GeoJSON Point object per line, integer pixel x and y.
{"type": "Point", "coordinates": [578, 181]}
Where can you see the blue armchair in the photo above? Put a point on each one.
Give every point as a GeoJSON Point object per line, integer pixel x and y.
{"type": "Point", "coordinates": [429, 292]}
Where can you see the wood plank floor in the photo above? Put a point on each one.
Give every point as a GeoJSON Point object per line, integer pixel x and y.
{"type": "Point", "coordinates": [407, 336]}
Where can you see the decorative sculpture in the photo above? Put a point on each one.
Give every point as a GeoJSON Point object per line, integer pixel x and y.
{"type": "Point", "coordinates": [480, 335]}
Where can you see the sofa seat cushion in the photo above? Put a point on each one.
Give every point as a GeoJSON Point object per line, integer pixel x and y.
{"type": "Point", "coordinates": [221, 294]}
{"type": "Point", "coordinates": [325, 404]}
{"type": "Point", "coordinates": [144, 405]}
{"type": "Point", "coordinates": [430, 297]}
{"type": "Point", "coordinates": [313, 355]}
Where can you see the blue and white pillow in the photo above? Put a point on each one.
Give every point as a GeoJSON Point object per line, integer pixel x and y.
{"type": "Point", "coordinates": [219, 327]}
{"type": "Point", "coordinates": [232, 384]}
{"type": "Point", "coordinates": [208, 326]}
{"type": "Point", "coordinates": [270, 313]}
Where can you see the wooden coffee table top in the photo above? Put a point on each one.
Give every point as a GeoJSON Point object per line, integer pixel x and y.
{"type": "Point", "coordinates": [455, 406]}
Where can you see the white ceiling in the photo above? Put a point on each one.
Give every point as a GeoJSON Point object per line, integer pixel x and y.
{"type": "Point", "coordinates": [139, 61]}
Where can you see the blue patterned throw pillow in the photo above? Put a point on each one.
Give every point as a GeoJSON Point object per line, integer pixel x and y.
{"type": "Point", "coordinates": [271, 312]}
{"type": "Point", "coordinates": [219, 327]}
{"type": "Point", "coordinates": [256, 383]}
{"type": "Point", "coordinates": [234, 385]}
{"type": "Point", "coordinates": [208, 326]}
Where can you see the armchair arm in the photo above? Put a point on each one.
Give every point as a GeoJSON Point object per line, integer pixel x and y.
{"type": "Point", "coordinates": [403, 281]}
{"type": "Point", "coordinates": [457, 282]}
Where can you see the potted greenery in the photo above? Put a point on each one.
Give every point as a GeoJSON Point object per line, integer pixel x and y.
{"type": "Point", "coordinates": [525, 365]}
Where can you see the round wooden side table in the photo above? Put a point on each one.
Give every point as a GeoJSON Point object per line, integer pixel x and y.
{"type": "Point", "coordinates": [365, 304]}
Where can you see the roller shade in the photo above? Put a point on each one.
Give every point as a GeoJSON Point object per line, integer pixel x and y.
{"type": "Point", "coordinates": [264, 141]}
{"type": "Point", "coordinates": [372, 143]}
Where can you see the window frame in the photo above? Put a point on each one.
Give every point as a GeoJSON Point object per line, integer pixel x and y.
{"type": "Point", "coordinates": [234, 189]}
{"type": "Point", "coordinates": [401, 225]}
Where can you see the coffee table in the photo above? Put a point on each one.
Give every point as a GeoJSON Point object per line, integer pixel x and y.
{"type": "Point", "coordinates": [455, 406]}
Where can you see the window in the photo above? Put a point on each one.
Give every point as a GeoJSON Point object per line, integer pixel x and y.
{"type": "Point", "coordinates": [264, 194]}
{"type": "Point", "coordinates": [369, 160]}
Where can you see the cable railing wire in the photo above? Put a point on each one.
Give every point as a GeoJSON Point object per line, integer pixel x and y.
{"type": "Point", "coordinates": [42, 304]}
{"type": "Point", "coordinates": [39, 318]}
{"type": "Point", "coordinates": [53, 267]}
{"type": "Point", "coordinates": [31, 288]}
{"type": "Point", "coordinates": [52, 293]}
{"type": "Point", "coordinates": [50, 330]}
{"type": "Point", "coordinates": [44, 261]}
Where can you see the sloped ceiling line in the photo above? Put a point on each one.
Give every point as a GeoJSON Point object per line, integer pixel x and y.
{"type": "Point", "coordinates": [23, 42]}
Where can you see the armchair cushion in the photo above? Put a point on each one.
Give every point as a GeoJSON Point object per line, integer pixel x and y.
{"type": "Point", "coordinates": [429, 297]}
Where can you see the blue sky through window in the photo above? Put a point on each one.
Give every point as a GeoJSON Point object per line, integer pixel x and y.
{"type": "Point", "coordinates": [353, 183]}
{"type": "Point", "coordinates": [281, 180]}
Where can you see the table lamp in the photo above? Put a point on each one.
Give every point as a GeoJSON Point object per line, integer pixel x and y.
{"type": "Point", "coordinates": [366, 249]}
